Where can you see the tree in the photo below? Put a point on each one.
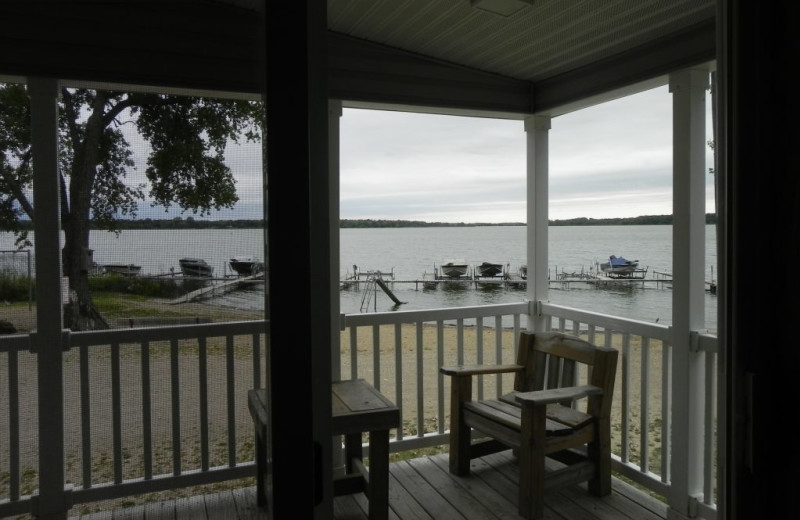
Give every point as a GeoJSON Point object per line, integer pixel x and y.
{"type": "Point", "coordinates": [186, 166]}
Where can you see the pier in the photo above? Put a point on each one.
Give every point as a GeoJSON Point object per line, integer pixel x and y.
{"type": "Point", "coordinates": [215, 289]}
{"type": "Point", "coordinates": [657, 280]}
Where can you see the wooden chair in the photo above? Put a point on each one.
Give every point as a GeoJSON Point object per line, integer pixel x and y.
{"type": "Point", "coordinates": [541, 417]}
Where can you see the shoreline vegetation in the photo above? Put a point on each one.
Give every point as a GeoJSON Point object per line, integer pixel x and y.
{"type": "Point", "coordinates": [193, 223]}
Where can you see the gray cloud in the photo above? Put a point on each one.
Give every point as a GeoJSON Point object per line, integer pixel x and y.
{"type": "Point", "coordinates": [612, 160]}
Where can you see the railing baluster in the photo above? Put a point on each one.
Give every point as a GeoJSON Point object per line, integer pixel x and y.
{"type": "Point", "coordinates": [420, 381]}
{"type": "Point", "coordinates": [644, 403]}
{"type": "Point", "coordinates": [257, 360]}
{"type": "Point", "coordinates": [666, 404]}
{"type": "Point", "coordinates": [709, 422]}
{"type": "Point", "coordinates": [353, 352]}
{"type": "Point", "coordinates": [625, 394]}
{"type": "Point", "coordinates": [398, 376]}
{"type": "Point", "coordinates": [442, 423]}
{"type": "Point", "coordinates": [376, 357]}
{"type": "Point", "coordinates": [13, 425]}
{"type": "Point", "coordinates": [460, 340]}
{"type": "Point", "coordinates": [175, 392]}
{"type": "Point", "coordinates": [86, 418]}
{"type": "Point", "coordinates": [202, 362]}
{"type": "Point", "coordinates": [231, 391]}
{"type": "Point", "coordinates": [479, 352]}
{"type": "Point", "coordinates": [147, 411]}
{"type": "Point", "coordinates": [498, 351]}
{"type": "Point", "coordinates": [116, 412]}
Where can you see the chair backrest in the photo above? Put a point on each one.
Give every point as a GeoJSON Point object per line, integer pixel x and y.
{"type": "Point", "coordinates": [552, 360]}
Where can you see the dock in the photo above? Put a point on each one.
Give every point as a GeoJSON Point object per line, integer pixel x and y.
{"type": "Point", "coordinates": [429, 282]}
{"type": "Point", "coordinates": [215, 289]}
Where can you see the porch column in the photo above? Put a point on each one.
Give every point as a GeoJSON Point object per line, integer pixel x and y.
{"type": "Point", "coordinates": [334, 140]}
{"type": "Point", "coordinates": [537, 145]}
{"type": "Point", "coordinates": [300, 472]}
{"type": "Point", "coordinates": [47, 341]}
{"type": "Point", "coordinates": [688, 90]}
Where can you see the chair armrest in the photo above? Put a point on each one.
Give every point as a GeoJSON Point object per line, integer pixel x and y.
{"type": "Point", "coordinates": [557, 395]}
{"type": "Point", "coordinates": [477, 370]}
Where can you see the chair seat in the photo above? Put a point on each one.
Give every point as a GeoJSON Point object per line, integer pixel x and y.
{"type": "Point", "coordinates": [561, 420]}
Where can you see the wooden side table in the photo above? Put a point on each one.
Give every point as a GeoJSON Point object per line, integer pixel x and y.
{"type": "Point", "coordinates": [357, 408]}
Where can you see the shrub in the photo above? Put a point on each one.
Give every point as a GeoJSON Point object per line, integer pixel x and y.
{"type": "Point", "coordinates": [15, 287]}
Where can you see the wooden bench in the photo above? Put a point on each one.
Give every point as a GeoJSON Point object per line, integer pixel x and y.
{"type": "Point", "coordinates": [357, 408]}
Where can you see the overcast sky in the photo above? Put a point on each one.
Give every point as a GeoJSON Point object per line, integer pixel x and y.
{"type": "Point", "coordinates": [609, 161]}
{"type": "Point", "coordinates": [613, 160]}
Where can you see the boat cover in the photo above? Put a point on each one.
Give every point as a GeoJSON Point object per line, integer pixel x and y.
{"type": "Point", "coordinates": [619, 261]}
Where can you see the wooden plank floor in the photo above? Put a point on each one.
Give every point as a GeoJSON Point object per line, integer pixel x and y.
{"type": "Point", "coordinates": [423, 489]}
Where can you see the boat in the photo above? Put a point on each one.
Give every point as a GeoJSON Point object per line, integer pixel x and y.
{"type": "Point", "coordinates": [246, 266]}
{"type": "Point", "coordinates": [195, 267]}
{"type": "Point", "coordinates": [453, 268]}
{"type": "Point", "coordinates": [123, 269]}
{"type": "Point", "coordinates": [619, 266]}
{"type": "Point", "coordinates": [523, 271]}
{"type": "Point", "coordinates": [489, 269]}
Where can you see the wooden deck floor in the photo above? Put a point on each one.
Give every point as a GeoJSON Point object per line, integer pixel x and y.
{"type": "Point", "coordinates": [423, 489]}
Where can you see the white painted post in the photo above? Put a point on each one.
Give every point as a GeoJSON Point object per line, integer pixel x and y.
{"type": "Point", "coordinates": [47, 341]}
{"type": "Point", "coordinates": [537, 144]}
{"type": "Point", "coordinates": [688, 90]}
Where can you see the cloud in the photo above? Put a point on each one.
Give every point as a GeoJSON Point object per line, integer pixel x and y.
{"type": "Point", "coordinates": [609, 161]}
{"type": "Point", "coordinates": [612, 160]}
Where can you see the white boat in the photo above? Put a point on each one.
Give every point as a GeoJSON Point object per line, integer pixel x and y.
{"type": "Point", "coordinates": [489, 270]}
{"type": "Point", "coordinates": [123, 269]}
{"type": "Point", "coordinates": [453, 268]}
{"type": "Point", "coordinates": [246, 266]}
{"type": "Point", "coordinates": [195, 267]}
{"type": "Point", "coordinates": [618, 265]}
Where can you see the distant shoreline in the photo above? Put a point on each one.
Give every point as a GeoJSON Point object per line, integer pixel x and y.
{"type": "Point", "coordinates": [193, 223]}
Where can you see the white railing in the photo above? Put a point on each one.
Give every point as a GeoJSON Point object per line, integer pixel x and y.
{"type": "Point", "coordinates": [163, 408]}
{"type": "Point", "coordinates": [145, 410]}
{"type": "Point", "coordinates": [400, 353]}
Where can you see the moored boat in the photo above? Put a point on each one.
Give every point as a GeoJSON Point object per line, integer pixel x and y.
{"type": "Point", "coordinates": [489, 269]}
{"type": "Point", "coordinates": [523, 271]}
{"type": "Point", "coordinates": [618, 265]}
{"type": "Point", "coordinates": [123, 269]}
{"type": "Point", "coordinates": [246, 266]}
{"type": "Point", "coordinates": [195, 267]}
{"type": "Point", "coordinates": [453, 268]}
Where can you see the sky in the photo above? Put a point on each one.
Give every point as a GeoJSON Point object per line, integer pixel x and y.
{"type": "Point", "coordinates": [609, 161]}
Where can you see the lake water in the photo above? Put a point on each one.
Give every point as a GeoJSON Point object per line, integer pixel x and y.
{"type": "Point", "coordinates": [409, 252]}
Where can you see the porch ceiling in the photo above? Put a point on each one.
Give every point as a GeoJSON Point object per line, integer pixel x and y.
{"type": "Point", "coordinates": [412, 53]}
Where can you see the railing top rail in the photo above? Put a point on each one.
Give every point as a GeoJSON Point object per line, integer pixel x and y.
{"type": "Point", "coordinates": [168, 332]}
{"type": "Point", "coordinates": [391, 318]}
{"type": "Point", "coordinates": [640, 328]}
{"type": "Point", "coordinates": [14, 342]}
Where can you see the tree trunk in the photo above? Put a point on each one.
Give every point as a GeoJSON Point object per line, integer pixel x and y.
{"type": "Point", "coordinates": [80, 312]}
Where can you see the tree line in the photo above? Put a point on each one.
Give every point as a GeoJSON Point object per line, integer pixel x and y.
{"type": "Point", "coordinates": [193, 223]}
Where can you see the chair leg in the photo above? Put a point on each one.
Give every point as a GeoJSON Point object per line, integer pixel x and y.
{"type": "Point", "coordinates": [460, 432]}
{"type": "Point", "coordinates": [599, 452]}
{"type": "Point", "coordinates": [531, 466]}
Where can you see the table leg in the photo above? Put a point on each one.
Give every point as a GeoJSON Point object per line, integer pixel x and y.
{"type": "Point", "coordinates": [378, 491]}
{"type": "Point", "coordinates": [261, 468]}
{"type": "Point", "coordinates": [352, 450]}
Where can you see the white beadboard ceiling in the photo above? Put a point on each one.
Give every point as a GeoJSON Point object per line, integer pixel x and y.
{"type": "Point", "coordinates": [540, 41]}
{"type": "Point", "coordinates": [549, 55]}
